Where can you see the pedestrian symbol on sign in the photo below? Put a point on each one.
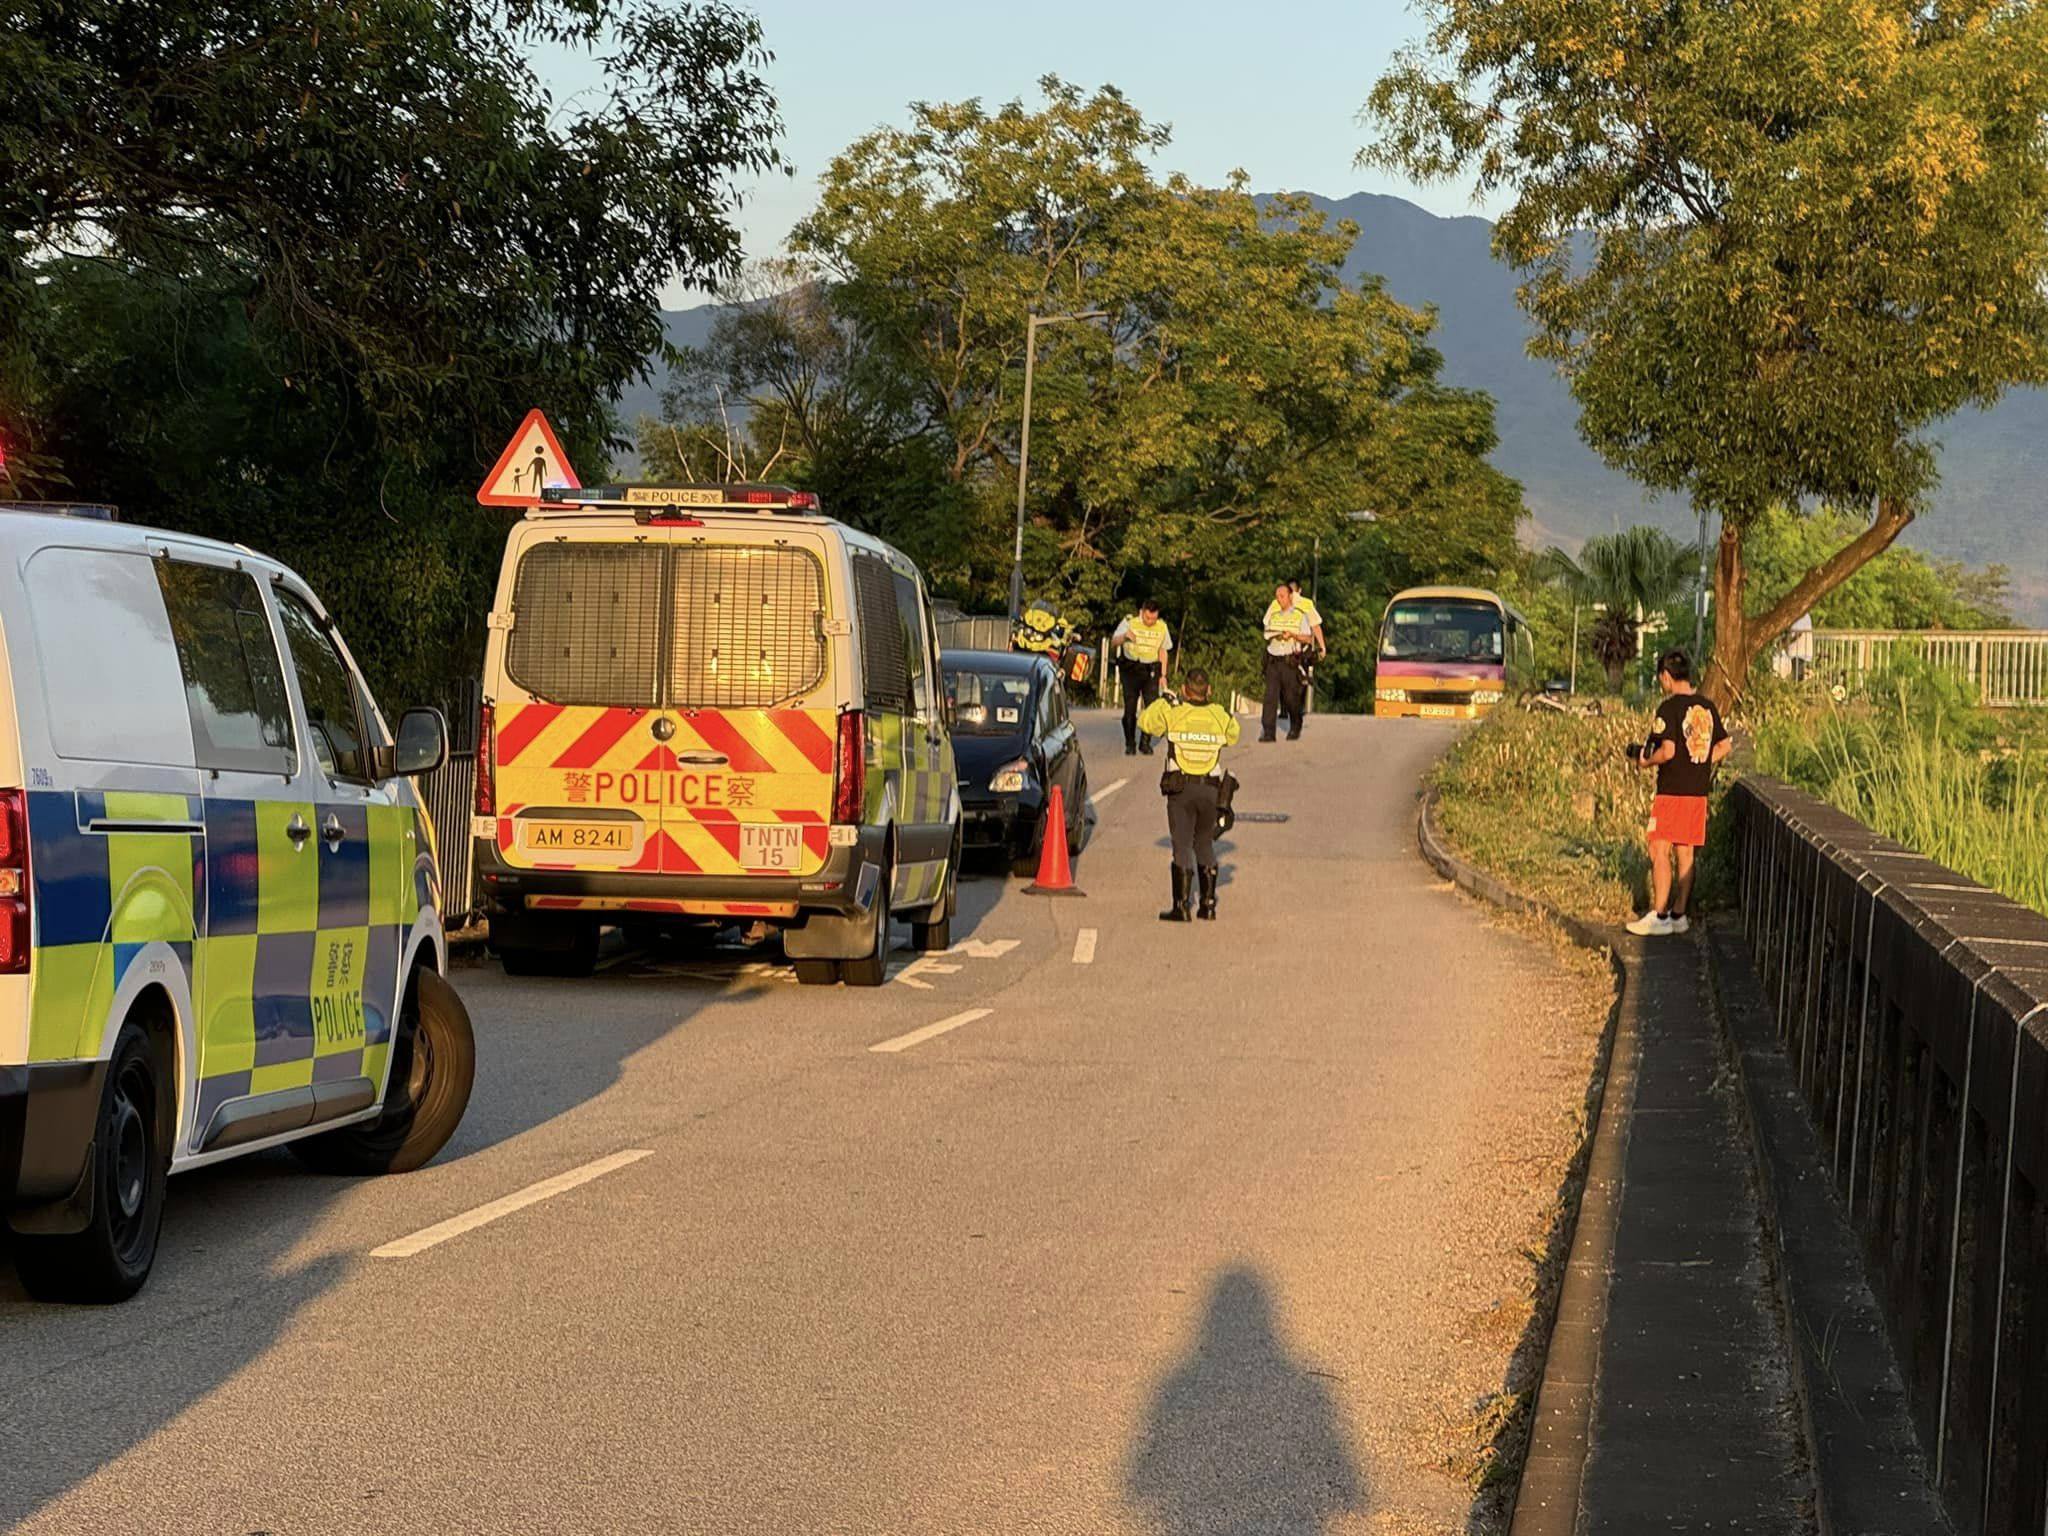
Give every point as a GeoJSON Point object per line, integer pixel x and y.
{"type": "Point", "coordinates": [523, 470]}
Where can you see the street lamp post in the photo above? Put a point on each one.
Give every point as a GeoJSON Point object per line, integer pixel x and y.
{"type": "Point", "coordinates": [1031, 325]}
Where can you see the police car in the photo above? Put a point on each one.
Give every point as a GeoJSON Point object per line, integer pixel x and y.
{"type": "Point", "coordinates": [709, 704]}
{"type": "Point", "coordinates": [219, 923]}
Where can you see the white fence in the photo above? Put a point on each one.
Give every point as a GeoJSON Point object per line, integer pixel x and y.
{"type": "Point", "coordinates": [2008, 667]}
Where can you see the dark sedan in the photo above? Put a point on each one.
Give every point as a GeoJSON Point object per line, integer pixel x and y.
{"type": "Point", "coordinates": [1012, 741]}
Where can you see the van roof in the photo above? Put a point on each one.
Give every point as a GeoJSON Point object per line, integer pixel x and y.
{"type": "Point", "coordinates": [607, 509]}
{"type": "Point", "coordinates": [24, 531]}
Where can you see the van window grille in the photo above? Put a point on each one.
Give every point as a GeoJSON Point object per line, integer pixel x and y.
{"type": "Point", "coordinates": [748, 626]}
{"type": "Point", "coordinates": [883, 657]}
{"type": "Point", "coordinates": [587, 625]}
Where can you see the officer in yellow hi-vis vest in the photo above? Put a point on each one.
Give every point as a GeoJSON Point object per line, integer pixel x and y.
{"type": "Point", "coordinates": [1144, 652]}
{"type": "Point", "coordinates": [1196, 733]}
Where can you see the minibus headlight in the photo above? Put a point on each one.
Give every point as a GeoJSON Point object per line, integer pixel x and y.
{"type": "Point", "coordinates": [1487, 696]}
{"type": "Point", "coordinates": [1394, 695]}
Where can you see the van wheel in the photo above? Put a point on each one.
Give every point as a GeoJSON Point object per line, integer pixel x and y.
{"type": "Point", "coordinates": [110, 1259]}
{"type": "Point", "coordinates": [937, 932]}
{"type": "Point", "coordinates": [816, 973]}
{"type": "Point", "coordinates": [872, 969]}
{"type": "Point", "coordinates": [433, 1066]}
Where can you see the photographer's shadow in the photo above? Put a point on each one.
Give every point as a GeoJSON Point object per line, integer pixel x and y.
{"type": "Point", "coordinates": [1242, 1439]}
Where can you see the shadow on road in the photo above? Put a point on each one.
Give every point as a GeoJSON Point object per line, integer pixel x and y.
{"type": "Point", "coordinates": [1243, 1439]}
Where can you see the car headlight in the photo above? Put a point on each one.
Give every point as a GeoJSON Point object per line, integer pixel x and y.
{"type": "Point", "coordinates": [1487, 696]}
{"type": "Point", "coordinates": [1011, 777]}
{"type": "Point", "coordinates": [1394, 695]}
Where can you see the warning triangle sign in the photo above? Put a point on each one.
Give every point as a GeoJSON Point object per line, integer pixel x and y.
{"type": "Point", "coordinates": [532, 461]}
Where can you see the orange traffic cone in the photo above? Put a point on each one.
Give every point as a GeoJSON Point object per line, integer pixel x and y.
{"type": "Point", "coordinates": [1055, 872]}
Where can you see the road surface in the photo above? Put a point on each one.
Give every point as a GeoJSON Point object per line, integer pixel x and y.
{"type": "Point", "coordinates": [1215, 1228]}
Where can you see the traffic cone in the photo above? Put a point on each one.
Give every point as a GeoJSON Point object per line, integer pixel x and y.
{"type": "Point", "coordinates": [1055, 872]}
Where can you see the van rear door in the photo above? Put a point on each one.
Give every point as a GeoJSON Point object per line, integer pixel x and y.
{"type": "Point", "coordinates": [749, 688]}
{"type": "Point", "coordinates": [577, 722]}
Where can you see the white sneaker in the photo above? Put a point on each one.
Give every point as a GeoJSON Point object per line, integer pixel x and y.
{"type": "Point", "coordinates": [1680, 924]}
{"type": "Point", "coordinates": [1651, 925]}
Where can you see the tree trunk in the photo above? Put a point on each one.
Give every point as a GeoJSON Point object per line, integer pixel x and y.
{"type": "Point", "coordinates": [1740, 637]}
{"type": "Point", "coordinates": [1614, 670]}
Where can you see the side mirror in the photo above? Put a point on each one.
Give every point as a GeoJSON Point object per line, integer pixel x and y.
{"type": "Point", "coordinates": [422, 744]}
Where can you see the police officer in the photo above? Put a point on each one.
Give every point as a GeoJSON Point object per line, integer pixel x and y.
{"type": "Point", "coordinates": [1293, 631]}
{"type": "Point", "coordinates": [1144, 651]}
{"type": "Point", "coordinates": [1196, 733]}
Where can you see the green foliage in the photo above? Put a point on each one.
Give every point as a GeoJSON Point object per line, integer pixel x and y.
{"type": "Point", "coordinates": [298, 294]}
{"type": "Point", "coordinates": [1900, 589]}
{"type": "Point", "coordinates": [1768, 244]}
{"type": "Point", "coordinates": [1917, 760]}
{"type": "Point", "coordinates": [1548, 803]}
{"type": "Point", "coordinates": [1207, 436]}
{"type": "Point", "coordinates": [1638, 571]}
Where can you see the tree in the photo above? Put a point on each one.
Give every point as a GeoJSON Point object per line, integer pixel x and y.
{"type": "Point", "coordinates": [1238, 400]}
{"type": "Point", "coordinates": [1900, 589]}
{"type": "Point", "coordinates": [1768, 244]}
{"type": "Point", "coordinates": [289, 271]}
{"type": "Point", "coordinates": [1628, 576]}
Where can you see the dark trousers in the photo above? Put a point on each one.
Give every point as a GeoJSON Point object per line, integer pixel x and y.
{"type": "Point", "coordinates": [1141, 687]}
{"type": "Point", "coordinates": [1191, 818]}
{"type": "Point", "coordinates": [1286, 691]}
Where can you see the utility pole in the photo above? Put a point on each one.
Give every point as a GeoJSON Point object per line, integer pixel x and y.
{"type": "Point", "coordinates": [1031, 324]}
{"type": "Point", "coordinates": [1699, 619]}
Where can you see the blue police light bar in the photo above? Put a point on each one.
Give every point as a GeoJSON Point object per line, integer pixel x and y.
{"type": "Point", "coordinates": [92, 511]}
{"type": "Point", "coordinates": [711, 497]}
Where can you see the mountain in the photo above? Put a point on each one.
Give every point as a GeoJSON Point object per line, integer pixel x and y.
{"type": "Point", "coordinates": [1991, 505]}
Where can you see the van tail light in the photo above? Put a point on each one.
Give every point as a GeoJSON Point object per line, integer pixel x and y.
{"type": "Point", "coordinates": [15, 928]}
{"type": "Point", "coordinates": [486, 761]}
{"type": "Point", "coordinates": [850, 769]}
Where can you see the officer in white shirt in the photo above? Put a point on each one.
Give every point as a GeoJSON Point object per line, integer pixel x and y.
{"type": "Point", "coordinates": [1294, 633]}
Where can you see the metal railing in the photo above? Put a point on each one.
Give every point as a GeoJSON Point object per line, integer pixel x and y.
{"type": "Point", "coordinates": [2007, 667]}
{"type": "Point", "coordinates": [1913, 1006]}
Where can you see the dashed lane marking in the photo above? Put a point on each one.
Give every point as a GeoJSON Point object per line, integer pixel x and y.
{"type": "Point", "coordinates": [1107, 790]}
{"type": "Point", "coordinates": [1084, 947]}
{"type": "Point", "coordinates": [919, 1036]}
{"type": "Point", "coordinates": [518, 1200]}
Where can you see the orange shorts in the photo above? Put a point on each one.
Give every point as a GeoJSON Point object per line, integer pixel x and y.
{"type": "Point", "coordinates": [1680, 820]}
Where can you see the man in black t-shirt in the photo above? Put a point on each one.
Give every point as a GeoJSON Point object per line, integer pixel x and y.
{"type": "Point", "coordinates": [1685, 746]}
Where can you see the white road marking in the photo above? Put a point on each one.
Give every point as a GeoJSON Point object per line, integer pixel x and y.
{"type": "Point", "coordinates": [1107, 790]}
{"type": "Point", "coordinates": [518, 1200]}
{"type": "Point", "coordinates": [923, 965]}
{"type": "Point", "coordinates": [919, 1036]}
{"type": "Point", "coordinates": [1084, 947]}
{"type": "Point", "coordinates": [984, 949]}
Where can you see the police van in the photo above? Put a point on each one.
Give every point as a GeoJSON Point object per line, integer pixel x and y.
{"type": "Point", "coordinates": [709, 704]}
{"type": "Point", "coordinates": [219, 924]}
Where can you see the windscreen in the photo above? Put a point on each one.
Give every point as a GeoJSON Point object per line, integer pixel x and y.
{"type": "Point", "coordinates": [989, 703]}
{"type": "Point", "coordinates": [1442, 630]}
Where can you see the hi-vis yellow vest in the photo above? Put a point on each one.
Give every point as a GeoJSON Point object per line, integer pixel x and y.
{"type": "Point", "coordinates": [1198, 733]}
{"type": "Point", "coordinates": [1143, 642]}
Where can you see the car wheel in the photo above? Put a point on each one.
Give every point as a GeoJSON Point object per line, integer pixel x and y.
{"type": "Point", "coordinates": [937, 934]}
{"type": "Point", "coordinates": [872, 969]}
{"type": "Point", "coordinates": [433, 1067]}
{"type": "Point", "coordinates": [110, 1259]}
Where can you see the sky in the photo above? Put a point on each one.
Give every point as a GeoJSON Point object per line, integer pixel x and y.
{"type": "Point", "coordinates": [1271, 87]}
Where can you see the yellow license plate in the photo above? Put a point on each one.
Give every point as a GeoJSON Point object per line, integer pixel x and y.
{"type": "Point", "coordinates": [577, 836]}
{"type": "Point", "coordinates": [1442, 711]}
{"type": "Point", "coordinates": [779, 848]}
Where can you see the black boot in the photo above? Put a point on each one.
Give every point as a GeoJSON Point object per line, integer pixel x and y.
{"type": "Point", "coordinates": [1178, 912]}
{"type": "Point", "coordinates": [1145, 744]}
{"type": "Point", "coordinates": [1130, 747]}
{"type": "Point", "coordinates": [1207, 909]}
